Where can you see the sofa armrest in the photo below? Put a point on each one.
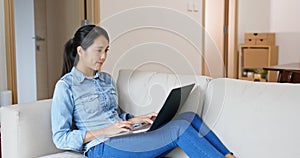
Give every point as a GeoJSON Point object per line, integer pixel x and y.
{"type": "Point", "coordinates": [26, 130]}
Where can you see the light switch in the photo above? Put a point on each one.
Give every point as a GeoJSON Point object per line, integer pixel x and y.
{"type": "Point", "coordinates": [190, 6]}
{"type": "Point", "coordinates": [196, 6]}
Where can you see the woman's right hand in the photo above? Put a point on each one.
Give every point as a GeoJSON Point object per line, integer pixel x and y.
{"type": "Point", "coordinates": [118, 127]}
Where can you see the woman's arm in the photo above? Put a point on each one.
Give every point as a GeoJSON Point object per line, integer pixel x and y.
{"type": "Point", "coordinates": [64, 137]}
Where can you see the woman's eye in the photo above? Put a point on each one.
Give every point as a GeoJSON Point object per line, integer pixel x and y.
{"type": "Point", "coordinates": [100, 51]}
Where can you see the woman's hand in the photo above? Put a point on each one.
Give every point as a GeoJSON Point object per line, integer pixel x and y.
{"type": "Point", "coordinates": [119, 127]}
{"type": "Point", "coordinates": [148, 119]}
{"type": "Point", "coordinates": [116, 128]}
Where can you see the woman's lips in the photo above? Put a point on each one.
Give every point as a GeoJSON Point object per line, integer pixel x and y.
{"type": "Point", "coordinates": [100, 63]}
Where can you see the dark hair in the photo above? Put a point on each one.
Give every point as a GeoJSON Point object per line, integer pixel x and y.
{"type": "Point", "coordinates": [83, 37]}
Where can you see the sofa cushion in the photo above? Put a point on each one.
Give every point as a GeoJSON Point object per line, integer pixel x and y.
{"type": "Point", "coordinates": [255, 119]}
{"type": "Point", "coordinates": [66, 154]}
{"type": "Point", "coordinates": [143, 92]}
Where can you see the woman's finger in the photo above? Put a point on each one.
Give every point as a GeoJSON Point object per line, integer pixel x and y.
{"type": "Point", "coordinates": [151, 115]}
{"type": "Point", "coordinates": [126, 125]}
{"type": "Point", "coordinates": [148, 120]}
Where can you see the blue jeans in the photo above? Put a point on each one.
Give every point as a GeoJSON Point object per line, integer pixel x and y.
{"type": "Point", "coordinates": [186, 131]}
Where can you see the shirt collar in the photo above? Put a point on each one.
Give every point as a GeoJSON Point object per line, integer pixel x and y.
{"type": "Point", "coordinates": [100, 75]}
{"type": "Point", "coordinates": [79, 76]}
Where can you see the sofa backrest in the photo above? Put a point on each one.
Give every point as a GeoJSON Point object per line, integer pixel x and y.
{"type": "Point", "coordinates": [143, 92]}
{"type": "Point", "coordinates": [26, 130]}
{"type": "Point", "coordinates": [255, 119]}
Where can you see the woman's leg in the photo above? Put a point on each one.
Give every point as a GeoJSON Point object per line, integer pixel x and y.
{"type": "Point", "coordinates": [156, 143]}
{"type": "Point", "coordinates": [105, 150]}
{"type": "Point", "coordinates": [202, 128]}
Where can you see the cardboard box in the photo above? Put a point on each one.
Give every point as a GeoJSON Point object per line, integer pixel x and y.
{"type": "Point", "coordinates": [255, 58]}
{"type": "Point", "coordinates": [260, 38]}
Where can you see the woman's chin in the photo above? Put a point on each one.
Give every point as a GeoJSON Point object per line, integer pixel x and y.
{"type": "Point", "coordinates": [98, 68]}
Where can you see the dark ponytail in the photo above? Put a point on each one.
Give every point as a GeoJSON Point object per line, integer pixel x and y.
{"type": "Point", "coordinates": [69, 57]}
{"type": "Point", "coordinates": [83, 37]}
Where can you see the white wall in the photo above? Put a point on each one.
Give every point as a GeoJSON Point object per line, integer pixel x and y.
{"type": "Point", "coordinates": [153, 35]}
{"type": "Point", "coordinates": [285, 22]}
{"type": "Point", "coordinates": [25, 50]}
{"type": "Point", "coordinates": [254, 16]}
{"type": "Point", "coordinates": [3, 74]}
{"type": "Point", "coordinates": [276, 16]}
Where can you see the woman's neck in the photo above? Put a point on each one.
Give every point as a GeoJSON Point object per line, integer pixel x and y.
{"type": "Point", "coordinates": [85, 70]}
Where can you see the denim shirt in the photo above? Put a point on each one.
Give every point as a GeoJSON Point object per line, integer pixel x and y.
{"type": "Point", "coordinates": [82, 104]}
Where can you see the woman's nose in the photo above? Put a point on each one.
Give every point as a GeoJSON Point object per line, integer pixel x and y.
{"type": "Point", "coordinates": [103, 56]}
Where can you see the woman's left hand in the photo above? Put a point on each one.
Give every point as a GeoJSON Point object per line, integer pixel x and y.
{"type": "Point", "coordinates": [148, 118]}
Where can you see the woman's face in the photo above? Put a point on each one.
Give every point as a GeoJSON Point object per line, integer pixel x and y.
{"type": "Point", "coordinates": [94, 56]}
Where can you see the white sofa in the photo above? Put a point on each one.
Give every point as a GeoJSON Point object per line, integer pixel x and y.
{"type": "Point", "coordinates": [252, 119]}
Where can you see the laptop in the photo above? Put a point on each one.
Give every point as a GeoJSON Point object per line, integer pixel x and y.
{"type": "Point", "coordinates": [174, 101]}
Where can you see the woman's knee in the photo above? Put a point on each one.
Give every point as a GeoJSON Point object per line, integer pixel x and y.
{"type": "Point", "coordinates": [178, 126]}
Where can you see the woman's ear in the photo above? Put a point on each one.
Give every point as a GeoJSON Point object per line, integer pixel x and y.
{"type": "Point", "coordinates": [79, 50]}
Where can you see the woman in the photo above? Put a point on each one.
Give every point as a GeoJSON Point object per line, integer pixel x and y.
{"type": "Point", "coordinates": [85, 113]}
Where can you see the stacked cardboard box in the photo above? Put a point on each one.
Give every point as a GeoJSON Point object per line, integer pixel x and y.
{"type": "Point", "coordinates": [260, 39]}
{"type": "Point", "coordinates": [259, 51]}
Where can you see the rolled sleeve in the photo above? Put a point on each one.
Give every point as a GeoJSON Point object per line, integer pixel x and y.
{"type": "Point", "coordinates": [125, 116]}
{"type": "Point", "coordinates": [64, 137]}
